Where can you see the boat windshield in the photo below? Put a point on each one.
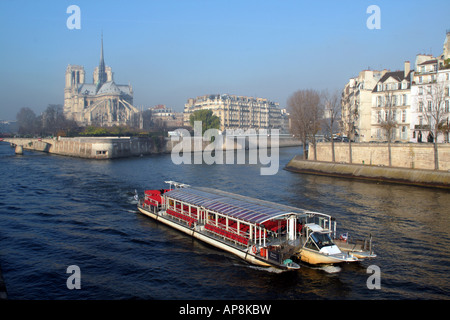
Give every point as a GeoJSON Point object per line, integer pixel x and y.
{"type": "Point", "coordinates": [322, 239]}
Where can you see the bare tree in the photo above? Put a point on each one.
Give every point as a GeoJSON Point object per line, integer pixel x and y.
{"type": "Point", "coordinates": [389, 122]}
{"type": "Point", "coordinates": [306, 112]}
{"type": "Point", "coordinates": [27, 121]}
{"type": "Point", "coordinates": [332, 115]}
{"type": "Point", "coordinates": [435, 115]}
{"type": "Point", "coordinates": [350, 115]}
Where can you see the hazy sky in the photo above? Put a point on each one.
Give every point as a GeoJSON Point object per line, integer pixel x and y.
{"type": "Point", "coordinates": [174, 50]}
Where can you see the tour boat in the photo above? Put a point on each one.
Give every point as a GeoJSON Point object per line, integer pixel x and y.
{"type": "Point", "coordinates": [260, 232]}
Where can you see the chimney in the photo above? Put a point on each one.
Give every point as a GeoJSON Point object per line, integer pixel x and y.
{"type": "Point", "coordinates": [407, 68]}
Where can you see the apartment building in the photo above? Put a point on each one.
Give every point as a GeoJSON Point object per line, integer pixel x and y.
{"type": "Point", "coordinates": [357, 104]}
{"type": "Point", "coordinates": [430, 98]}
{"type": "Point", "coordinates": [391, 101]}
{"type": "Point", "coordinates": [238, 112]}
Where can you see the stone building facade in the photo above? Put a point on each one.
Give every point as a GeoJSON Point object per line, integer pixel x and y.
{"type": "Point", "coordinates": [391, 101]}
{"type": "Point", "coordinates": [357, 103]}
{"type": "Point", "coordinates": [238, 112]}
{"type": "Point", "coordinates": [430, 98]}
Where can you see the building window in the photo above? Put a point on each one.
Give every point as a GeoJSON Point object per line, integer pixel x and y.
{"type": "Point", "coordinates": [404, 116]}
{"type": "Point", "coordinates": [404, 133]}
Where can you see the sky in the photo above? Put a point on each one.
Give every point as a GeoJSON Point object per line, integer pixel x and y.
{"type": "Point", "coordinates": [170, 51]}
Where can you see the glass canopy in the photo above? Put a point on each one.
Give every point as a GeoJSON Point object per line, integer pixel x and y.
{"type": "Point", "coordinates": [241, 207]}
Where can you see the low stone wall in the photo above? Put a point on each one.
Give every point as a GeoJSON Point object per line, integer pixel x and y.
{"type": "Point", "coordinates": [419, 177]}
{"type": "Point", "coordinates": [403, 155]}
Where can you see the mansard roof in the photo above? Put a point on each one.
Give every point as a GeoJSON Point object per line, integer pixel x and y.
{"type": "Point", "coordinates": [432, 61]}
{"type": "Point", "coordinates": [398, 76]}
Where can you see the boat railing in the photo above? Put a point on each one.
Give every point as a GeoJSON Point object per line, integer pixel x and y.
{"type": "Point", "coordinates": [228, 235]}
{"type": "Point", "coordinates": [355, 244]}
{"type": "Point", "coordinates": [179, 210]}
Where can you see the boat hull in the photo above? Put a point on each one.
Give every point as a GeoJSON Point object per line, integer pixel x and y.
{"type": "Point", "coordinates": [315, 257]}
{"type": "Point", "coordinates": [356, 250]}
{"type": "Point", "coordinates": [198, 233]}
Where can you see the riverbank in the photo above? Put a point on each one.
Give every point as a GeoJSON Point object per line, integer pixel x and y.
{"type": "Point", "coordinates": [418, 177]}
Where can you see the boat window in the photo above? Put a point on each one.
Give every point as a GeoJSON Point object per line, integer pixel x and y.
{"type": "Point", "coordinates": [311, 245]}
{"type": "Point", "coordinates": [322, 239]}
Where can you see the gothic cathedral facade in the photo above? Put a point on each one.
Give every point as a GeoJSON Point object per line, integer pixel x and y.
{"type": "Point", "coordinates": [101, 103]}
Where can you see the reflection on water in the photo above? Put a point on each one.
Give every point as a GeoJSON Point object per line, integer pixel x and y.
{"type": "Point", "coordinates": [58, 211]}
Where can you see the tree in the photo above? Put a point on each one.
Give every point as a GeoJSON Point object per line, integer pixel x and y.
{"type": "Point", "coordinates": [306, 113]}
{"type": "Point", "coordinates": [332, 115]}
{"type": "Point", "coordinates": [27, 121]}
{"type": "Point", "coordinates": [208, 119]}
{"type": "Point", "coordinates": [435, 115]}
{"type": "Point", "coordinates": [54, 121]}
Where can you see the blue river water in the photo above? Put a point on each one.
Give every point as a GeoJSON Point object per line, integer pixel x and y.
{"type": "Point", "coordinates": [58, 211]}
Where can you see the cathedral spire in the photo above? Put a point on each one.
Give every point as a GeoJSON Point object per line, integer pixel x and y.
{"type": "Point", "coordinates": [101, 68]}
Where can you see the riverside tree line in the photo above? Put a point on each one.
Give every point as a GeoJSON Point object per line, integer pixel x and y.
{"type": "Point", "coordinates": [52, 122]}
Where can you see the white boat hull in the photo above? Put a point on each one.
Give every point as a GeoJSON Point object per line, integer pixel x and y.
{"type": "Point", "coordinates": [315, 257]}
{"type": "Point", "coordinates": [355, 250]}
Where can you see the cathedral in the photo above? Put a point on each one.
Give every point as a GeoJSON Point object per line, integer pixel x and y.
{"type": "Point", "coordinates": [101, 103]}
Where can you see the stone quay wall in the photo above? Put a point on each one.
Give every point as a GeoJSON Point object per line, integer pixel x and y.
{"type": "Point", "coordinates": [92, 148]}
{"type": "Point", "coordinates": [417, 177]}
{"type": "Point", "coordinates": [120, 147]}
{"type": "Point", "coordinates": [403, 155]}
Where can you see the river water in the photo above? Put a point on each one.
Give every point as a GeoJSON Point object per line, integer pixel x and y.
{"type": "Point", "coordinates": [60, 211]}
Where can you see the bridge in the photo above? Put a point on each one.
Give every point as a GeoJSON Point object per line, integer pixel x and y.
{"type": "Point", "coordinates": [37, 144]}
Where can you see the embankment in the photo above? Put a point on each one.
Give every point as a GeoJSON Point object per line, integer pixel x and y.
{"type": "Point", "coordinates": [120, 147]}
{"type": "Point", "coordinates": [419, 177]}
